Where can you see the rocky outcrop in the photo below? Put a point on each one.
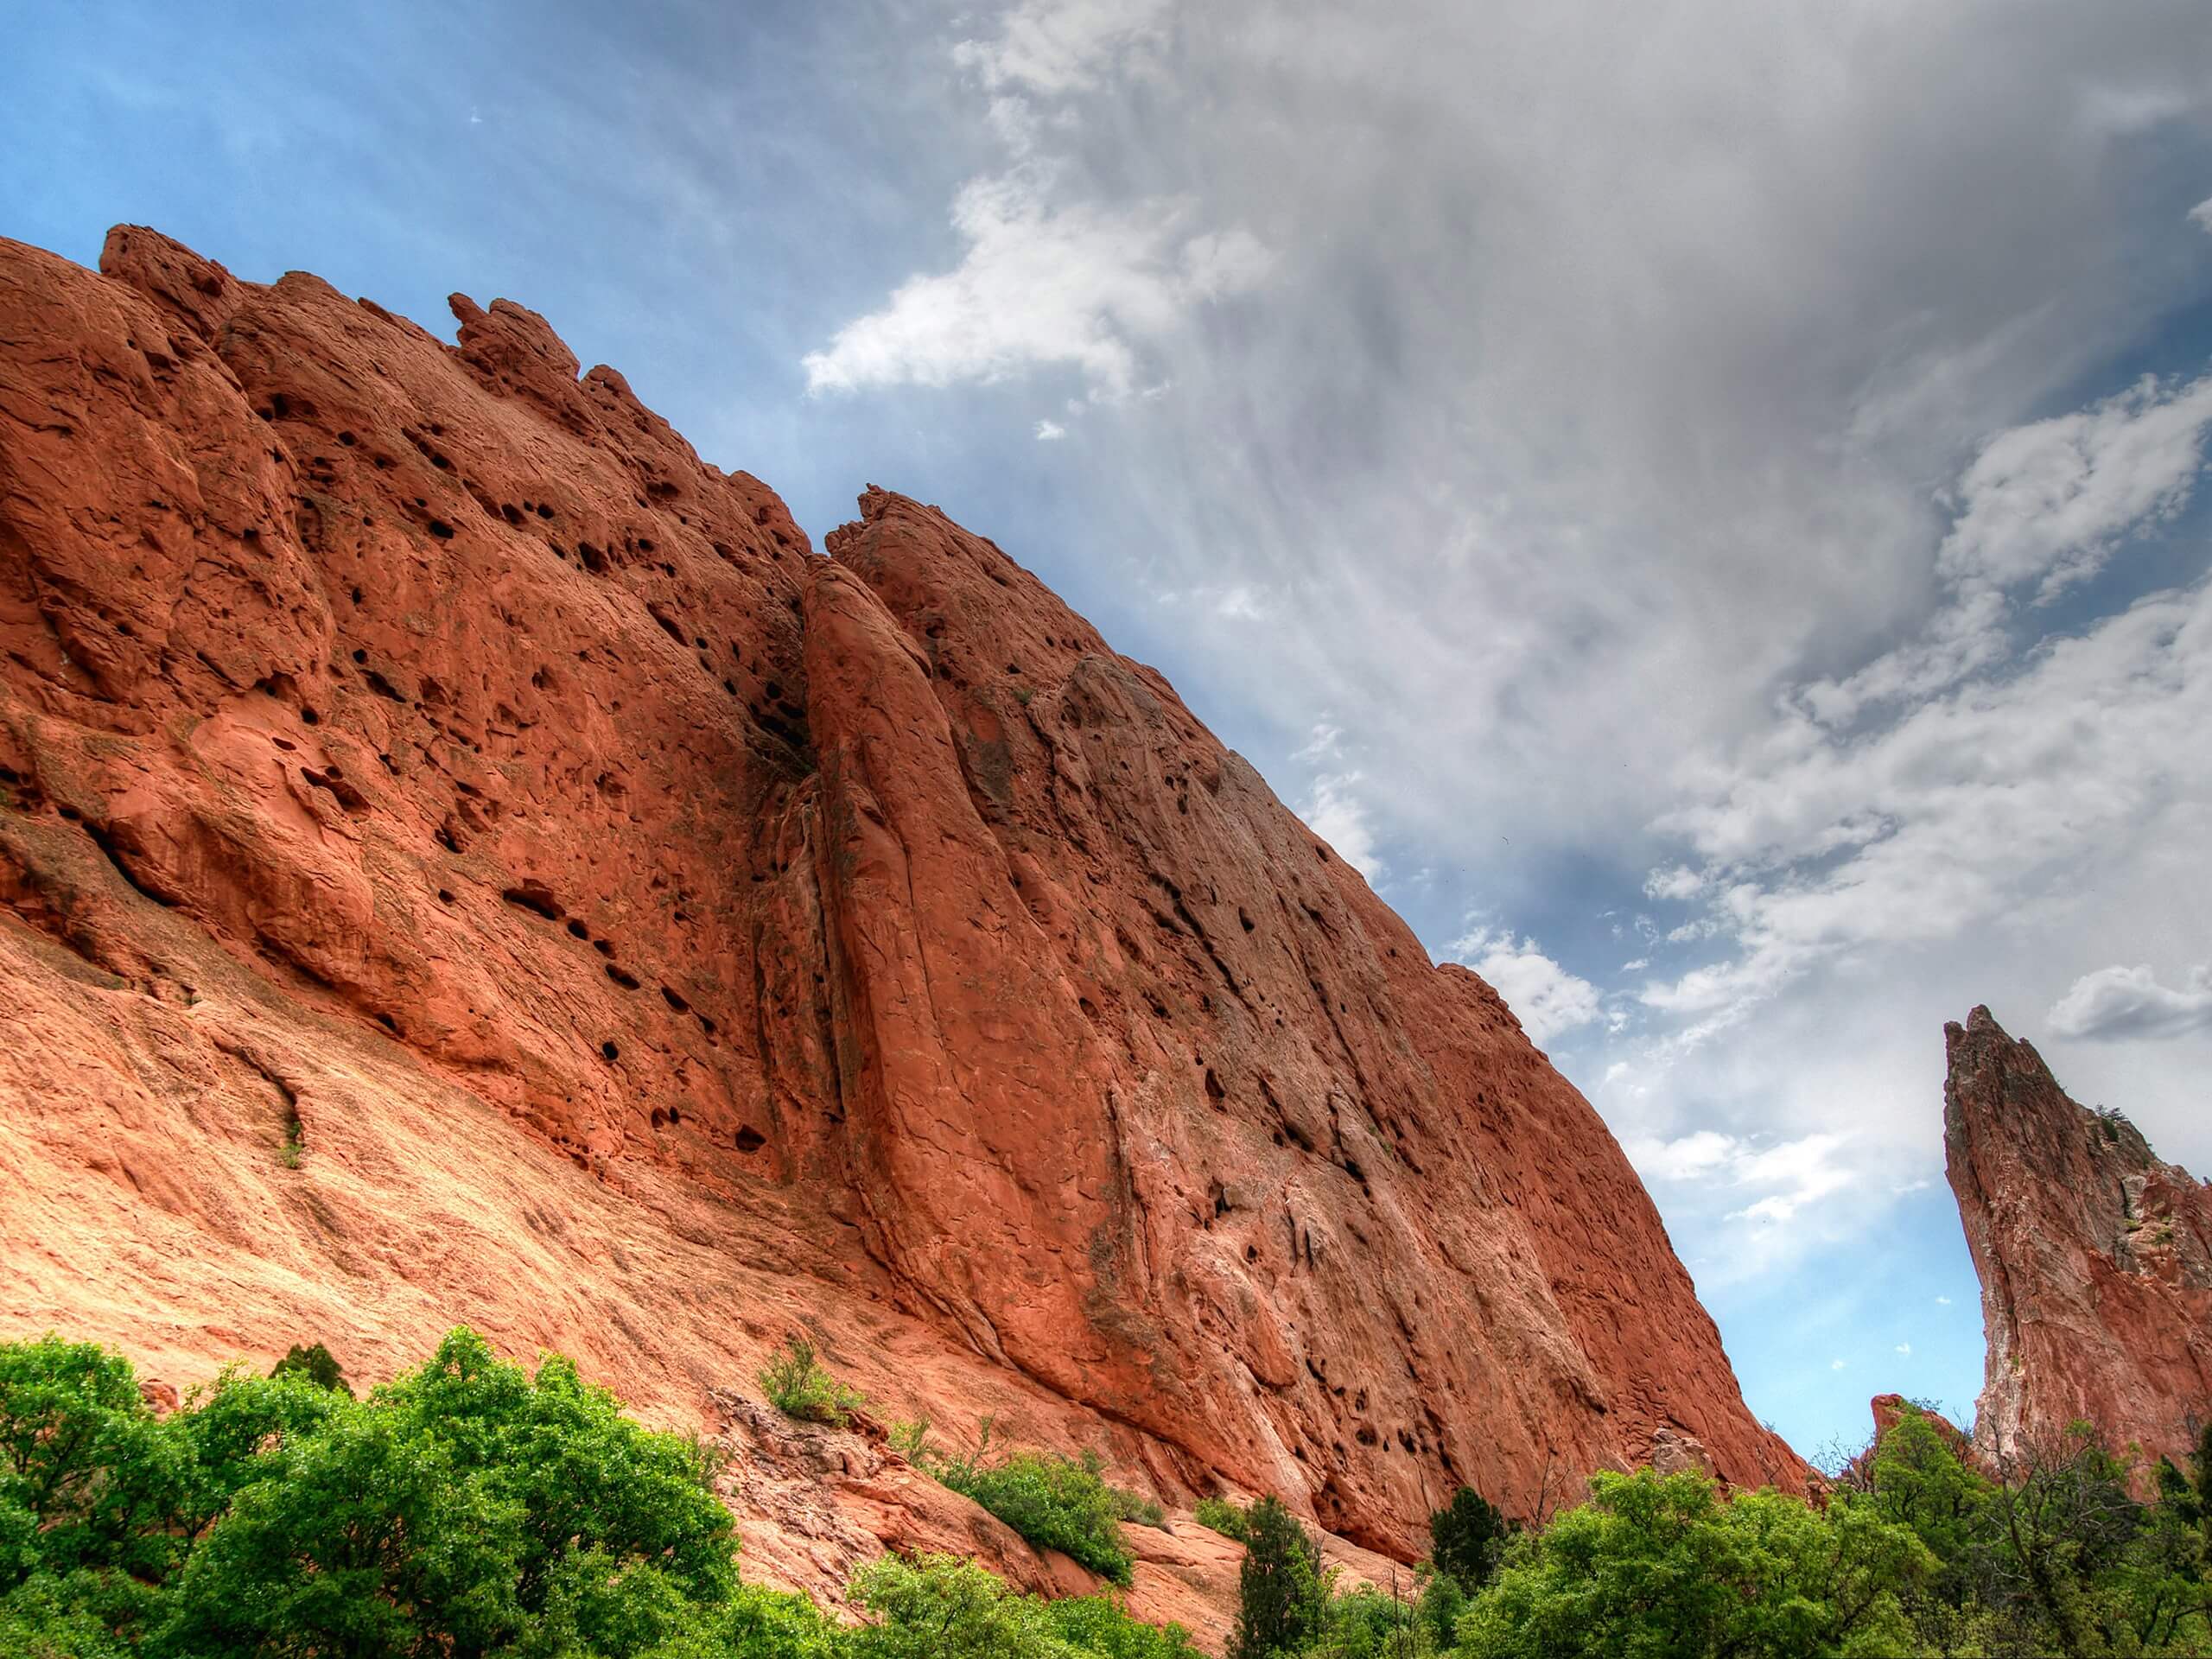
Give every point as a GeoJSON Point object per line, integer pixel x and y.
{"type": "Point", "coordinates": [2096, 1258]}
{"type": "Point", "coordinates": [462, 857]}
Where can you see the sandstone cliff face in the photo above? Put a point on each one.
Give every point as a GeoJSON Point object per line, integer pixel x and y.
{"type": "Point", "coordinates": [2096, 1258]}
{"type": "Point", "coordinates": [461, 857]}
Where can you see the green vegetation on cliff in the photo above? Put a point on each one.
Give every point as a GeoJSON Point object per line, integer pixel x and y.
{"type": "Point", "coordinates": [472, 1507]}
{"type": "Point", "coordinates": [469, 1508]}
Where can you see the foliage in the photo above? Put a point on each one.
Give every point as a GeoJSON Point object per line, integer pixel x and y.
{"type": "Point", "coordinates": [1102, 1626]}
{"type": "Point", "coordinates": [1468, 1538]}
{"type": "Point", "coordinates": [2055, 1554]}
{"type": "Point", "coordinates": [1055, 1503]}
{"type": "Point", "coordinates": [1282, 1598]}
{"type": "Point", "coordinates": [798, 1385]}
{"type": "Point", "coordinates": [1657, 1565]}
{"type": "Point", "coordinates": [937, 1607]}
{"type": "Point", "coordinates": [1223, 1517]}
{"type": "Point", "coordinates": [468, 1508]}
{"type": "Point", "coordinates": [317, 1364]}
{"type": "Point", "coordinates": [1371, 1624]}
{"type": "Point", "coordinates": [911, 1440]}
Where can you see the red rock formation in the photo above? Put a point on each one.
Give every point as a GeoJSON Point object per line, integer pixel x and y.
{"type": "Point", "coordinates": [1888, 1411]}
{"type": "Point", "coordinates": [2096, 1258]}
{"type": "Point", "coordinates": [464, 858]}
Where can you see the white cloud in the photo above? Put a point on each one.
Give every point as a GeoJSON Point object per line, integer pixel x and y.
{"type": "Point", "coordinates": [1905, 1348]}
{"type": "Point", "coordinates": [2201, 216]}
{"type": "Point", "coordinates": [1955, 813]}
{"type": "Point", "coordinates": [1045, 282]}
{"type": "Point", "coordinates": [2050, 500]}
{"type": "Point", "coordinates": [1546, 998]}
{"type": "Point", "coordinates": [1057, 46]}
{"type": "Point", "coordinates": [1942, 1301]}
{"type": "Point", "coordinates": [1679, 883]}
{"type": "Point", "coordinates": [1835, 1364]}
{"type": "Point", "coordinates": [2119, 1002]}
{"type": "Point", "coordinates": [1333, 812]}
{"type": "Point", "coordinates": [1788, 1176]}
{"type": "Point", "coordinates": [1050, 432]}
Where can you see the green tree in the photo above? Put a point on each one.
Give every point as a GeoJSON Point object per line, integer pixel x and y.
{"type": "Point", "coordinates": [1282, 1599]}
{"type": "Point", "coordinates": [1658, 1568]}
{"type": "Point", "coordinates": [467, 1508]}
{"type": "Point", "coordinates": [1467, 1538]}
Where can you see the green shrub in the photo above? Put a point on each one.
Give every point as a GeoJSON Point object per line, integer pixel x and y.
{"type": "Point", "coordinates": [1223, 1517]}
{"type": "Point", "coordinates": [317, 1364]}
{"type": "Point", "coordinates": [1102, 1626]}
{"type": "Point", "coordinates": [797, 1385]}
{"type": "Point", "coordinates": [1282, 1597]}
{"type": "Point", "coordinates": [937, 1607]}
{"type": "Point", "coordinates": [1132, 1507]}
{"type": "Point", "coordinates": [1055, 1503]}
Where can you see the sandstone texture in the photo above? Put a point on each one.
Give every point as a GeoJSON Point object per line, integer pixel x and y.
{"type": "Point", "coordinates": [2096, 1258]}
{"type": "Point", "coordinates": [462, 858]}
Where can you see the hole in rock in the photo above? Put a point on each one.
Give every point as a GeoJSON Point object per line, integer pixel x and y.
{"type": "Point", "coordinates": [536, 896]}
{"type": "Point", "coordinates": [750, 1139]}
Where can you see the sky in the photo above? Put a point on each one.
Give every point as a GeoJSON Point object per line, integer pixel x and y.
{"type": "Point", "coordinates": [1702, 504]}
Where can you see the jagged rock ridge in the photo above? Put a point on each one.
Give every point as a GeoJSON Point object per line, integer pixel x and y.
{"type": "Point", "coordinates": [2095, 1257]}
{"type": "Point", "coordinates": [464, 858]}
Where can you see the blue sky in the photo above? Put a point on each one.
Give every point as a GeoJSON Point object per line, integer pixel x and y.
{"type": "Point", "coordinates": [1704, 508]}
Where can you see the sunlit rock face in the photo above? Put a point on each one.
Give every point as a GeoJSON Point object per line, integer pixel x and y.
{"type": "Point", "coordinates": [463, 858]}
{"type": "Point", "coordinates": [2096, 1258]}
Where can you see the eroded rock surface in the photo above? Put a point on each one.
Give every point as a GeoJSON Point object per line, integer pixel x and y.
{"type": "Point", "coordinates": [463, 858]}
{"type": "Point", "coordinates": [2096, 1258]}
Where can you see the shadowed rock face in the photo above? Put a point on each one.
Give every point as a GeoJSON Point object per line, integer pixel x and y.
{"type": "Point", "coordinates": [2096, 1258]}
{"type": "Point", "coordinates": [650, 935]}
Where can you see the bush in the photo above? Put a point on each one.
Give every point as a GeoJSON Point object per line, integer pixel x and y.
{"type": "Point", "coordinates": [1053, 1502]}
{"type": "Point", "coordinates": [1101, 1625]}
{"type": "Point", "coordinates": [1223, 1517]}
{"type": "Point", "coordinates": [797, 1385]}
{"type": "Point", "coordinates": [1282, 1599]}
{"type": "Point", "coordinates": [937, 1607]}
